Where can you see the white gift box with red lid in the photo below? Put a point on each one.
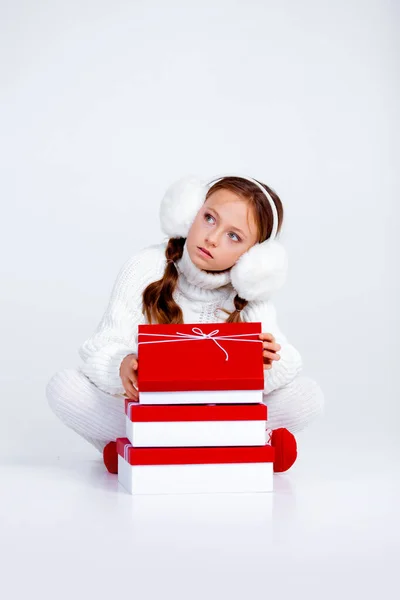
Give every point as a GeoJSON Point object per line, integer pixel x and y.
{"type": "Point", "coordinates": [196, 425]}
{"type": "Point", "coordinates": [194, 470]}
{"type": "Point", "coordinates": [200, 363]}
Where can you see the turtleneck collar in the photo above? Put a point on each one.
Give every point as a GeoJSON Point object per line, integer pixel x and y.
{"type": "Point", "coordinates": [193, 277]}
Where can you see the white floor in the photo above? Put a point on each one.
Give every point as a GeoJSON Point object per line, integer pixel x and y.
{"type": "Point", "coordinates": [330, 530]}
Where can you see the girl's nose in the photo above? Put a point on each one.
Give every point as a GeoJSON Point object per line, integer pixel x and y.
{"type": "Point", "coordinates": [212, 239]}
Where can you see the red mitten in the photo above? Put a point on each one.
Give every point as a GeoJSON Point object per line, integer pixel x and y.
{"type": "Point", "coordinates": [285, 446]}
{"type": "Point", "coordinates": [110, 457]}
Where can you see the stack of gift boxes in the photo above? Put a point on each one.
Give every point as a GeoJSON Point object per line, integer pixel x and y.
{"type": "Point", "coordinates": [200, 424]}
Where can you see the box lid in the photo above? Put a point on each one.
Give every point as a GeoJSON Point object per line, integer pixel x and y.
{"type": "Point", "coordinates": [140, 413]}
{"type": "Point", "coordinates": [186, 456]}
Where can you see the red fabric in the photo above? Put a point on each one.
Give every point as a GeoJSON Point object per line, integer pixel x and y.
{"type": "Point", "coordinates": [203, 455]}
{"type": "Point", "coordinates": [110, 457]}
{"type": "Point", "coordinates": [285, 447]}
{"type": "Point", "coordinates": [140, 413]}
{"type": "Point", "coordinates": [192, 365]}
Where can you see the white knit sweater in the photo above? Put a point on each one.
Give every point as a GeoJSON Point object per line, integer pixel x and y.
{"type": "Point", "coordinates": [200, 295]}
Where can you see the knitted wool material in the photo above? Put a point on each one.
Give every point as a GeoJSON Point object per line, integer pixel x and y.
{"type": "Point", "coordinates": [202, 297]}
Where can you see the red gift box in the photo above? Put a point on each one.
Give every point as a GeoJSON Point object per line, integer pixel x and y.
{"type": "Point", "coordinates": [194, 470]}
{"type": "Point", "coordinates": [206, 357]}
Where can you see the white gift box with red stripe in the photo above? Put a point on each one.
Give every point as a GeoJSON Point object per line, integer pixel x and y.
{"type": "Point", "coordinates": [196, 425]}
{"type": "Point", "coordinates": [195, 470]}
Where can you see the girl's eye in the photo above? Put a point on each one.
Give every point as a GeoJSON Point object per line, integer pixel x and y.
{"type": "Point", "coordinates": [235, 237]}
{"type": "Point", "coordinates": [232, 235]}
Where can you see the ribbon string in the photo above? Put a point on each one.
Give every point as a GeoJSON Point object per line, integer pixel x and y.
{"type": "Point", "coordinates": [198, 335]}
{"type": "Point", "coordinates": [126, 451]}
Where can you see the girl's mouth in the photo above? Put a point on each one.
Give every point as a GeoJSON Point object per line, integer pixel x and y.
{"type": "Point", "coordinates": [205, 252]}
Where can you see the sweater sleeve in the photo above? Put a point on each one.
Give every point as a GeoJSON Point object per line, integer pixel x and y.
{"type": "Point", "coordinates": [116, 334]}
{"type": "Point", "coordinates": [283, 371]}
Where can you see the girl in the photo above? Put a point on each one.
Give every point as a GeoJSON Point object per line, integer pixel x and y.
{"type": "Point", "coordinates": [222, 262]}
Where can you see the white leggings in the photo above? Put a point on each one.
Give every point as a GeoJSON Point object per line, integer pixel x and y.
{"type": "Point", "coordinates": [99, 417]}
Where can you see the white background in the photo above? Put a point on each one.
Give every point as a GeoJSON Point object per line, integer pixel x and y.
{"type": "Point", "coordinates": [104, 104]}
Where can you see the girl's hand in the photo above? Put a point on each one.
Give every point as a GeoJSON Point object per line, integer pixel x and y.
{"type": "Point", "coordinates": [270, 349]}
{"type": "Point", "coordinates": [128, 374]}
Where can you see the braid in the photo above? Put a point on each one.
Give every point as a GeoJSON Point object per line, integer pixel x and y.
{"type": "Point", "coordinates": [158, 303]}
{"type": "Point", "coordinates": [235, 316]}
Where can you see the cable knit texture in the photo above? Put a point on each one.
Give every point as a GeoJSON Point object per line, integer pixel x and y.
{"type": "Point", "coordinates": [202, 297]}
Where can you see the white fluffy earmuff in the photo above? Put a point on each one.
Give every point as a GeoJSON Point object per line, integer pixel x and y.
{"type": "Point", "coordinates": [261, 270]}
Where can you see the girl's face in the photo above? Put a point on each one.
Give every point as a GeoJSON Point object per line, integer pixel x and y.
{"type": "Point", "coordinates": [222, 231]}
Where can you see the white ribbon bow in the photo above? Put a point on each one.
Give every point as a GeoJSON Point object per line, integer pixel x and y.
{"type": "Point", "coordinates": [209, 336]}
